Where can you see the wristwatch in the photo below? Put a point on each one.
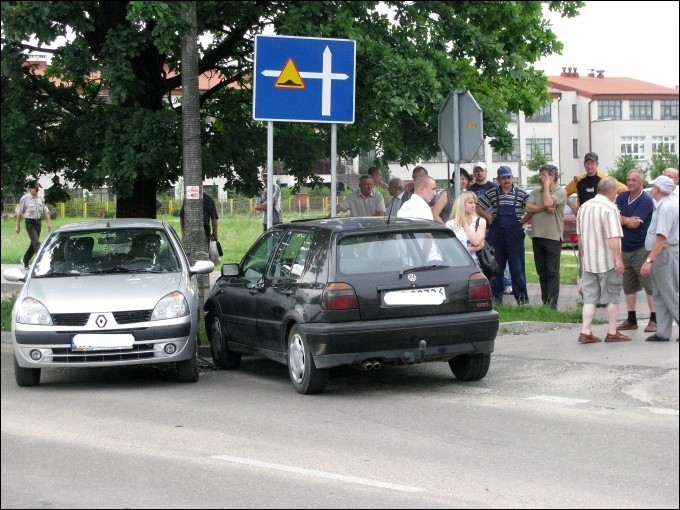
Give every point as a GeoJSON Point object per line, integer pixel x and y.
{"type": "Point", "coordinates": [650, 261]}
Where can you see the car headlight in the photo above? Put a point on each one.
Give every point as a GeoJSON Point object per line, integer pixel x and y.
{"type": "Point", "coordinates": [32, 311]}
{"type": "Point", "coordinates": [170, 307]}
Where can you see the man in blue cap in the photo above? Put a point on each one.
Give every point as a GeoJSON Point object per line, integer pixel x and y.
{"type": "Point", "coordinates": [503, 209]}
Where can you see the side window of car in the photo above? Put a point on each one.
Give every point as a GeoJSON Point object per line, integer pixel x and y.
{"type": "Point", "coordinates": [255, 262]}
{"type": "Point", "coordinates": [291, 256]}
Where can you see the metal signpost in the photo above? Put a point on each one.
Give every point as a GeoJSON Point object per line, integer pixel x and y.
{"type": "Point", "coordinates": [460, 130]}
{"type": "Point", "coordinates": [303, 79]}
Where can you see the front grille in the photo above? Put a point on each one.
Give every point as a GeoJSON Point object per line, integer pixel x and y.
{"type": "Point", "coordinates": [132, 316]}
{"type": "Point", "coordinates": [70, 319]}
{"type": "Point", "coordinates": [138, 351]}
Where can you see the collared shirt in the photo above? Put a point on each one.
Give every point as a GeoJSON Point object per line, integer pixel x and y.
{"type": "Point", "coordinates": [597, 221]}
{"type": "Point", "coordinates": [416, 208]}
{"type": "Point", "coordinates": [664, 222]}
{"type": "Point", "coordinates": [394, 205]}
{"type": "Point", "coordinates": [641, 206]}
{"type": "Point", "coordinates": [494, 197]}
{"type": "Point", "coordinates": [547, 225]}
{"type": "Point", "coordinates": [32, 207]}
{"type": "Point", "coordinates": [359, 205]}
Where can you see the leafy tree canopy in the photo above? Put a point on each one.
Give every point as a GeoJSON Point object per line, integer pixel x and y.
{"type": "Point", "coordinates": [410, 55]}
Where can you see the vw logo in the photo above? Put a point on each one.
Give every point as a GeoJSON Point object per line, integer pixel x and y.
{"type": "Point", "coordinates": [411, 277]}
{"type": "Point", "coordinates": [101, 321]}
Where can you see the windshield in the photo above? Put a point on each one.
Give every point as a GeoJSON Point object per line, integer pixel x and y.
{"type": "Point", "coordinates": [106, 251]}
{"type": "Point", "coordinates": [401, 251]}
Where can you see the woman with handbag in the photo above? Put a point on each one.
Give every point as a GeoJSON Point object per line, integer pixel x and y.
{"type": "Point", "coordinates": [469, 228]}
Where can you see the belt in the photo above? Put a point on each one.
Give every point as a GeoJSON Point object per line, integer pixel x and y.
{"type": "Point", "coordinates": [670, 245]}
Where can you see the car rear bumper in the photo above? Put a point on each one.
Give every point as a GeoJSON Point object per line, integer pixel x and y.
{"type": "Point", "coordinates": [399, 340]}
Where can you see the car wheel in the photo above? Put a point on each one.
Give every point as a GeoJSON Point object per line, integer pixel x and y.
{"type": "Point", "coordinates": [470, 367]}
{"type": "Point", "coordinates": [306, 378]}
{"type": "Point", "coordinates": [187, 370]}
{"type": "Point", "coordinates": [223, 357]}
{"type": "Point", "coordinates": [26, 376]}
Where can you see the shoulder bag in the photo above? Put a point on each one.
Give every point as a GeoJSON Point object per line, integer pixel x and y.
{"type": "Point", "coordinates": [487, 260]}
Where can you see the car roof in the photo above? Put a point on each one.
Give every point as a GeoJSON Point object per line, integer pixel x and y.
{"type": "Point", "coordinates": [366, 224]}
{"type": "Point", "coordinates": [114, 223]}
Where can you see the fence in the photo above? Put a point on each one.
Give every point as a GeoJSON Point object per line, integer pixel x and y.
{"type": "Point", "coordinates": [236, 207]}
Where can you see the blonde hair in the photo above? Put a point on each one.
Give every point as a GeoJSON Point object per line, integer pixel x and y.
{"type": "Point", "coordinates": [458, 209]}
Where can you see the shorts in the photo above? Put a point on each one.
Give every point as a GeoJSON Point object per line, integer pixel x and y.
{"type": "Point", "coordinates": [602, 287]}
{"type": "Point", "coordinates": [633, 281]}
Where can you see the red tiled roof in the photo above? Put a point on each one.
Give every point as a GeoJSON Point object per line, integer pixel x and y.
{"type": "Point", "coordinates": [611, 87]}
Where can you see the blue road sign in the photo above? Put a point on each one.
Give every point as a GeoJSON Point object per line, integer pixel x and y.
{"type": "Point", "coordinates": [304, 79]}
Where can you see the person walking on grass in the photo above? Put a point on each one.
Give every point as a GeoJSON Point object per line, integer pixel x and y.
{"type": "Point", "coordinates": [32, 208]}
{"type": "Point", "coordinates": [599, 229]}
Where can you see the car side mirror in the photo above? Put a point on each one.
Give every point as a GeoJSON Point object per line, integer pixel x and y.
{"type": "Point", "coordinates": [230, 270]}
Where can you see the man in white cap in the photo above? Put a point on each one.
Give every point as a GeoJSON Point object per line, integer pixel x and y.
{"type": "Point", "coordinates": [673, 174]}
{"type": "Point", "coordinates": [662, 261]}
{"type": "Point", "coordinates": [480, 183]}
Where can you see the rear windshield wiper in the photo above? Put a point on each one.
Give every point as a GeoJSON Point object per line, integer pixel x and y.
{"type": "Point", "coordinates": [421, 268]}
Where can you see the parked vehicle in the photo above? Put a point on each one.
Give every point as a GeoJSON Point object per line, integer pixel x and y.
{"type": "Point", "coordinates": [363, 292]}
{"type": "Point", "coordinates": [107, 293]}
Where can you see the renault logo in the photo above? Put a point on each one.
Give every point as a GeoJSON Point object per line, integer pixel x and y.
{"type": "Point", "coordinates": [101, 321]}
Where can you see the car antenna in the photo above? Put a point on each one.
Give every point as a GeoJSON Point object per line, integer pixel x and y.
{"type": "Point", "coordinates": [390, 213]}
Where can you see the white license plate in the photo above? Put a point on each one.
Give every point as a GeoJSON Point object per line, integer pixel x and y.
{"type": "Point", "coordinates": [426, 296]}
{"type": "Point", "coordinates": [85, 342]}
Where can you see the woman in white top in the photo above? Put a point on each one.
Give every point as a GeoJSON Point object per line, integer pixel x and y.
{"type": "Point", "coordinates": [469, 228]}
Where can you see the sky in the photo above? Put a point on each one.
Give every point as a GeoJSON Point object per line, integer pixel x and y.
{"type": "Point", "coordinates": [627, 39]}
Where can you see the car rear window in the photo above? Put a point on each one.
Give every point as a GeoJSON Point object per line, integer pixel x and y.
{"type": "Point", "coordinates": [375, 253]}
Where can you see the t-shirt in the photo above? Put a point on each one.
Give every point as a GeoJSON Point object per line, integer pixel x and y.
{"type": "Point", "coordinates": [585, 186]}
{"type": "Point", "coordinates": [641, 206]}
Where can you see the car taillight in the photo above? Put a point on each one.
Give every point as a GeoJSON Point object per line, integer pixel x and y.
{"type": "Point", "coordinates": [573, 238]}
{"type": "Point", "coordinates": [479, 291]}
{"type": "Point", "coordinates": [339, 296]}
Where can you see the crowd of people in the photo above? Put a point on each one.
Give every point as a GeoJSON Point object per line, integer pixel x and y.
{"type": "Point", "coordinates": [628, 238]}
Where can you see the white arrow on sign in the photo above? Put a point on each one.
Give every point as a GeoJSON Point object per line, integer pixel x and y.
{"type": "Point", "coordinates": [326, 76]}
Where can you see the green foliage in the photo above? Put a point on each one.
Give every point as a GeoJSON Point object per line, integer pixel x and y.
{"type": "Point", "coordinates": [661, 160]}
{"type": "Point", "coordinates": [623, 164]}
{"type": "Point", "coordinates": [57, 123]}
{"type": "Point", "coordinates": [536, 161]}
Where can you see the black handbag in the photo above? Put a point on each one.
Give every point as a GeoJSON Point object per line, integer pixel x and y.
{"type": "Point", "coordinates": [487, 259]}
{"type": "Point", "coordinates": [487, 262]}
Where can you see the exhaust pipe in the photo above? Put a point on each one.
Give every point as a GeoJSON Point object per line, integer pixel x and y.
{"type": "Point", "coordinates": [367, 365]}
{"type": "Point", "coordinates": [376, 365]}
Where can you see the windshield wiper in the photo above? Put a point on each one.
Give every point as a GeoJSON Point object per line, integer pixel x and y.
{"type": "Point", "coordinates": [60, 273]}
{"type": "Point", "coordinates": [117, 269]}
{"type": "Point", "coordinates": [421, 268]}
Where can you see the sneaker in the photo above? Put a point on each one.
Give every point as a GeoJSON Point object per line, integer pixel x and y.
{"type": "Point", "coordinates": [23, 264]}
{"type": "Point", "coordinates": [508, 290]}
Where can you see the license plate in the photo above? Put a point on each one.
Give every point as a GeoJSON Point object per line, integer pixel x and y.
{"type": "Point", "coordinates": [85, 342]}
{"type": "Point", "coordinates": [426, 296]}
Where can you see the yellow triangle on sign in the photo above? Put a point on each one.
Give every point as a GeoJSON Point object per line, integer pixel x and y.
{"type": "Point", "coordinates": [290, 77]}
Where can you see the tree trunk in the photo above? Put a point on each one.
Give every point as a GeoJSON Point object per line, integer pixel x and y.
{"type": "Point", "coordinates": [142, 203]}
{"type": "Point", "coordinates": [195, 242]}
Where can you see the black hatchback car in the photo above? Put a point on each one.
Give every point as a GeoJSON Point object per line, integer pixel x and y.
{"type": "Point", "coordinates": [363, 292]}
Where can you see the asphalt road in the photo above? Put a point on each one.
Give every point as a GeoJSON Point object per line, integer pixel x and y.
{"type": "Point", "coordinates": [555, 424]}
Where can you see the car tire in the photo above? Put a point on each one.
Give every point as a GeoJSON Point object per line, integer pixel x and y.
{"type": "Point", "coordinates": [306, 378]}
{"type": "Point", "coordinates": [26, 376]}
{"type": "Point", "coordinates": [187, 370]}
{"type": "Point", "coordinates": [470, 367]}
{"type": "Point", "coordinates": [222, 356]}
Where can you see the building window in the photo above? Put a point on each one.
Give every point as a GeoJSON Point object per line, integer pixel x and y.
{"type": "Point", "coordinates": [437, 158]}
{"type": "Point", "coordinates": [513, 116]}
{"type": "Point", "coordinates": [641, 110]}
{"type": "Point", "coordinates": [659, 141]}
{"type": "Point", "coordinates": [669, 109]}
{"type": "Point", "coordinates": [542, 144]}
{"type": "Point", "coordinates": [609, 110]}
{"type": "Point", "coordinates": [633, 145]}
{"type": "Point", "coordinates": [574, 147]}
{"type": "Point", "coordinates": [574, 114]}
{"type": "Point", "coordinates": [513, 156]}
{"type": "Point", "coordinates": [542, 115]}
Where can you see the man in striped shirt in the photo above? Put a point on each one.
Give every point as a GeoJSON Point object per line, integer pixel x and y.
{"type": "Point", "coordinates": [598, 225]}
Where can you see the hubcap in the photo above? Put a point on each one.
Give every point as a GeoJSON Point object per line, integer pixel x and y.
{"type": "Point", "coordinates": [296, 353]}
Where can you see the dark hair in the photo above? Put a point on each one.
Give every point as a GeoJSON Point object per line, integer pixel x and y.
{"type": "Point", "coordinates": [33, 185]}
{"type": "Point", "coordinates": [551, 169]}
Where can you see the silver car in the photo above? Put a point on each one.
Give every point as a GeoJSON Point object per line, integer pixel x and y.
{"type": "Point", "coordinates": [107, 293]}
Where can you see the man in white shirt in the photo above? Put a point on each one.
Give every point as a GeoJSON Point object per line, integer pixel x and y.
{"type": "Point", "coordinates": [424, 190]}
